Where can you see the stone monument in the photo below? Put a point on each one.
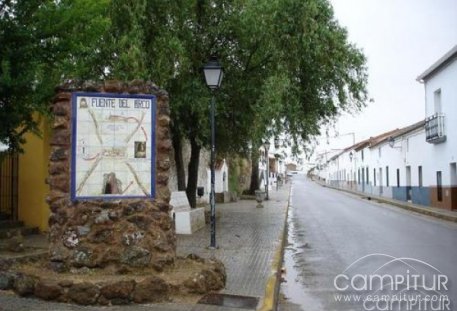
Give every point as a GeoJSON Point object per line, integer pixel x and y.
{"type": "Point", "coordinates": [106, 210]}
{"type": "Point", "coordinates": [112, 240]}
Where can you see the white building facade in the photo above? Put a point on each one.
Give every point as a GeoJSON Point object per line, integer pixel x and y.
{"type": "Point", "coordinates": [416, 163]}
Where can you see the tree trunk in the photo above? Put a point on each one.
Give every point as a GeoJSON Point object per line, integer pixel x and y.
{"type": "Point", "coordinates": [180, 173]}
{"type": "Point", "coordinates": [255, 171]}
{"type": "Point", "coordinates": [192, 178]}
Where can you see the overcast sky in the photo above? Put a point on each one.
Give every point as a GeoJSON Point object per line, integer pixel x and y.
{"type": "Point", "coordinates": [401, 39]}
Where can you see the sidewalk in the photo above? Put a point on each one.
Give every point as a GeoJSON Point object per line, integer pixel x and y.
{"type": "Point", "coordinates": [250, 243]}
{"type": "Point", "coordinates": [425, 210]}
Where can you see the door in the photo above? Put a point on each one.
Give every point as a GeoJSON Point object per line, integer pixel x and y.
{"type": "Point", "coordinates": [453, 169]}
{"type": "Point", "coordinates": [363, 180]}
{"type": "Point", "coordinates": [9, 167]}
{"type": "Point", "coordinates": [380, 181]}
{"type": "Point", "coordinates": [408, 184]}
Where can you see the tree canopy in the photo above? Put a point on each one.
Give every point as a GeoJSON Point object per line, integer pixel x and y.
{"type": "Point", "coordinates": [288, 64]}
{"type": "Point", "coordinates": [41, 43]}
{"type": "Point", "coordinates": [289, 67]}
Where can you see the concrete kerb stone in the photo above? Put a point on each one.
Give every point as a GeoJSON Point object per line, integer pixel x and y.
{"type": "Point", "coordinates": [270, 300]}
{"type": "Point", "coordinates": [412, 208]}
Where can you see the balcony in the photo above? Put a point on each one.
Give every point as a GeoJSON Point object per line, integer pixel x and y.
{"type": "Point", "coordinates": [434, 129]}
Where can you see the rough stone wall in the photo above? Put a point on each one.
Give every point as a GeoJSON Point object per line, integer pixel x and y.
{"type": "Point", "coordinates": [115, 233]}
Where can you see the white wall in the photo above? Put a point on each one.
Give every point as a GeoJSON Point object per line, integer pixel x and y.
{"type": "Point", "coordinates": [221, 183]}
{"type": "Point", "coordinates": [441, 155]}
{"type": "Point", "coordinates": [406, 151]}
{"type": "Point", "coordinates": [410, 149]}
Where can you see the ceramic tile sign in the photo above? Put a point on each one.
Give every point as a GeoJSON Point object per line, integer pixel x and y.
{"type": "Point", "coordinates": [113, 146]}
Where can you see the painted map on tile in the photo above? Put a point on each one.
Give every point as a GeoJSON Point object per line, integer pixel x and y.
{"type": "Point", "coordinates": [113, 146]}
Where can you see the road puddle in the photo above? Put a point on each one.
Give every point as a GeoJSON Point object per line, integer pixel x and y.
{"type": "Point", "coordinates": [295, 294]}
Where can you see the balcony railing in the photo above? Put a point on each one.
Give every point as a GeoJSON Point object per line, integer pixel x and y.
{"type": "Point", "coordinates": [434, 129]}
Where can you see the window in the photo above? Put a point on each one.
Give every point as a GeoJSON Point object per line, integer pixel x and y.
{"type": "Point", "coordinates": [437, 100]}
{"type": "Point", "coordinates": [362, 155]}
{"type": "Point", "coordinates": [358, 176]}
{"type": "Point", "coordinates": [419, 172]}
{"type": "Point", "coordinates": [379, 151]}
{"type": "Point", "coordinates": [439, 186]}
{"type": "Point", "coordinates": [387, 176]}
{"type": "Point", "coordinates": [374, 177]}
{"type": "Point", "coordinates": [398, 177]}
{"type": "Point", "coordinates": [368, 176]}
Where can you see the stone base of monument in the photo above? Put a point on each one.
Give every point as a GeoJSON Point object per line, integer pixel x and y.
{"type": "Point", "coordinates": [185, 281]}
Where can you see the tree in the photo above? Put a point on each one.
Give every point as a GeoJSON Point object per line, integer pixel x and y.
{"type": "Point", "coordinates": [44, 42]}
{"type": "Point", "coordinates": [288, 65]}
{"type": "Point", "coordinates": [18, 71]}
{"type": "Point", "coordinates": [318, 73]}
{"type": "Point", "coordinates": [288, 68]}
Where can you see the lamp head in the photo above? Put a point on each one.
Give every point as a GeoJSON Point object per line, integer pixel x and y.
{"type": "Point", "coordinates": [213, 73]}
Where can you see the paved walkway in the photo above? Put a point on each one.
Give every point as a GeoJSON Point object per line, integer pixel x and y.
{"type": "Point", "coordinates": [441, 213]}
{"type": "Point", "coordinates": [248, 239]}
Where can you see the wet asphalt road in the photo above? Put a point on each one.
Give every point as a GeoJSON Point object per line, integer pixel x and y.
{"type": "Point", "coordinates": [329, 230]}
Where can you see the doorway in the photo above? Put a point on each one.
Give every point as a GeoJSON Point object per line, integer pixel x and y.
{"type": "Point", "coordinates": [453, 185]}
{"type": "Point", "coordinates": [9, 168]}
{"type": "Point", "coordinates": [380, 181]}
{"type": "Point", "coordinates": [408, 184]}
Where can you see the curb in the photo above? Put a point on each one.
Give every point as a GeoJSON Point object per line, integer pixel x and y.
{"type": "Point", "coordinates": [270, 300]}
{"type": "Point", "coordinates": [416, 209]}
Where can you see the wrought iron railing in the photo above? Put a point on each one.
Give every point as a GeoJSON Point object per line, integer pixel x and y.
{"type": "Point", "coordinates": [434, 129]}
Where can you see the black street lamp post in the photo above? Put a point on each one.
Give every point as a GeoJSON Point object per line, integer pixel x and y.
{"type": "Point", "coordinates": [213, 75]}
{"type": "Point", "coordinates": [266, 145]}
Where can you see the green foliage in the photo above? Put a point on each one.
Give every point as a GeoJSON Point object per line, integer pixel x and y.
{"type": "Point", "coordinates": [238, 173]}
{"type": "Point", "coordinates": [16, 71]}
{"type": "Point", "coordinates": [289, 67]}
{"type": "Point", "coordinates": [326, 74]}
{"type": "Point", "coordinates": [43, 42]}
{"type": "Point", "coordinates": [234, 174]}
